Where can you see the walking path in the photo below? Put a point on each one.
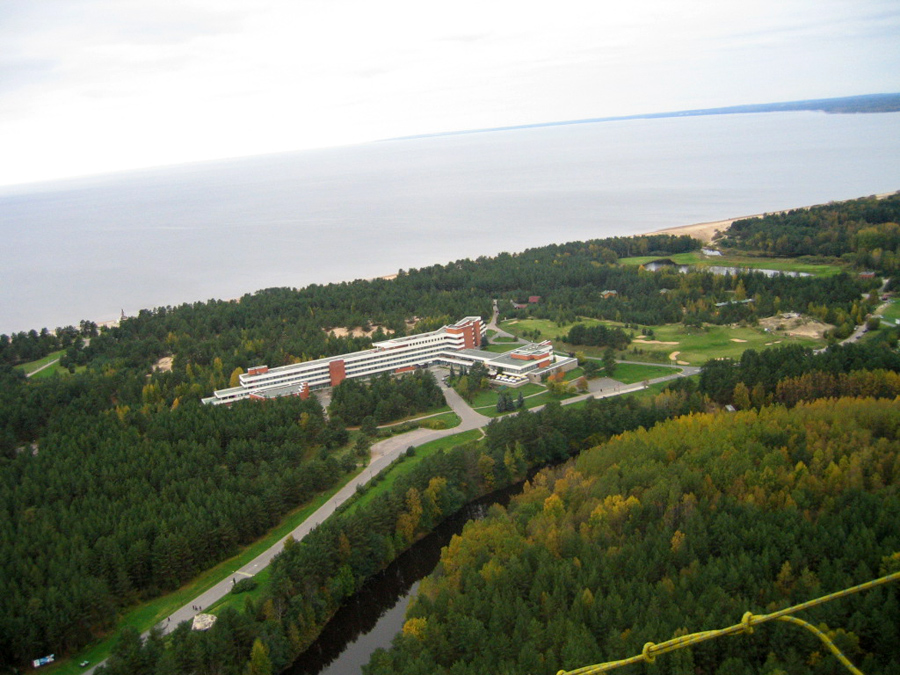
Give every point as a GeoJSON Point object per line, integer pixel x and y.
{"type": "Point", "coordinates": [46, 365]}
{"type": "Point", "coordinates": [499, 332]}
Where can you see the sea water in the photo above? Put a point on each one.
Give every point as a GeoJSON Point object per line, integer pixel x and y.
{"type": "Point", "coordinates": [93, 248]}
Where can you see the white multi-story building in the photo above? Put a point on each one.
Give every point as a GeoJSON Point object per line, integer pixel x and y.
{"type": "Point", "coordinates": [456, 344]}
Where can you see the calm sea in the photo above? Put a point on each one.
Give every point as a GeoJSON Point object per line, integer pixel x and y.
{"type": "Point", "coordinates": [92, 248]}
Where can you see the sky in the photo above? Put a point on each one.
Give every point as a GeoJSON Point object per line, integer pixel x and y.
{"type": "Point", "coordinates": [97, 86]}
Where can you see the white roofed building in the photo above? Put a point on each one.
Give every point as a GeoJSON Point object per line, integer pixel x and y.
{"type": "Point", "coordinates": [456, 344]}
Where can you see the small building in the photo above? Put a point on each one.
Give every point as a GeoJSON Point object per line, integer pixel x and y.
{"type": "Point", "coordinates": [534, 299]}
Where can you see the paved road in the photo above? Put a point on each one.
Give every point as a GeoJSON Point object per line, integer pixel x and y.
{"type": "Point", "coordinates": [382, 454]}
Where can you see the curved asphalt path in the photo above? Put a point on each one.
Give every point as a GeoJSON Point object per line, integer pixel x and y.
{"type": "Point", "coordinates": [382, 454]}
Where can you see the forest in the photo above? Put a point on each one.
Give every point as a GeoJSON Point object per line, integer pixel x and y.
{"type": "Point", "coordinates": [312, 577]}
{"type": "Point", "coordinates": [114, 508]}
{"type": "Point", "coordinates": [384, 398]}
{"type": "Point", "coordinates": [117, 484]}
{"type": "Point", "coordinates": [674, 530]}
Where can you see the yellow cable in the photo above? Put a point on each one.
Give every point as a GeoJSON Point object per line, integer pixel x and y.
{"type": "Point", "coordinates": [651, 650]}
{"type": "Point", "coordinates": [824, 638]}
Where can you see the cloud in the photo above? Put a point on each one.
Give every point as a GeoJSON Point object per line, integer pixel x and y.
{"type": "Point", "coordinates": [105, 84]}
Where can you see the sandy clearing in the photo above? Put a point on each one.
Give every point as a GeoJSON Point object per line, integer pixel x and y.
{"type": "Point", "coordinates": [737, 340]}
{"type": "Point", "coordinates": [340, 331]}
{"type": "Point", "coordinates": [674, 356]}
{"type": "Point", "coordinates": [796, 326]}
{"type": "Point", "coordinates": [164, 365]}
{"type": "Point", "coordinates": [642, 341]}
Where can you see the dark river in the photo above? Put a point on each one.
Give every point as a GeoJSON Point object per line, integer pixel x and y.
{"type": "Point", "coordinates": [372, 617]}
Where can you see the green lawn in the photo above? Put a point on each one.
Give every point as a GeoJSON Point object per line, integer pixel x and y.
{"type": "Point", "coordinates": [892, 311]}
{"type": "Point", "coordinates": [451, 419]}
{"type": "Point", "coordinates": [444, 412]}
{"type": "Point", "coordinates": [629, 373]}
{"type": "Point", "coordinates": [32, 366]}
{"type": "Point", "coordinates": [485, 401]}
{"type": "Point", "coordinates": [753, 262]}
{"type": "Point", "coordinates": [501, 348]}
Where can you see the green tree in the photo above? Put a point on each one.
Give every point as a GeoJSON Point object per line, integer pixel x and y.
{"type": "Point", "coordinates": [259, 659]}
{"type": "Point", "coordinates": [609, 362]}
{"type": "Point", "coordinates": [368, 426]}
{"type": "Point", "coordinates": [741, 396]}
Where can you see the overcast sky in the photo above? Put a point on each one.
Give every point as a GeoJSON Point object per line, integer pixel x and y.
{"type": "Point", "coordinates": [90, 86]}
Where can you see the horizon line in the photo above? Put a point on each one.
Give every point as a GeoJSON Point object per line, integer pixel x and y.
{"type": "Point", "coordinates": [826, 105]}
{"type": "Point", "coordinates": [891, 102]}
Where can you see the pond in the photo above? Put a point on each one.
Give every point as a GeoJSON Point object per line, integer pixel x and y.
{"type": "Point", "coordinates": [657, 265]}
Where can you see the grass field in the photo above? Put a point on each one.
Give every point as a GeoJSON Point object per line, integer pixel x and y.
{"type": "Point", "coordinates": [550, 330]}
{"type": "Point", "coordinates": [783, 264]}
{"type": "Point", "coordinates": [698, 345]}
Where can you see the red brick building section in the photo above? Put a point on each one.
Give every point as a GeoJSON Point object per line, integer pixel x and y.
{"type": "Point", "coordinates": [337, 371]}
{"type": "Point", "coordinates": [471, 333]}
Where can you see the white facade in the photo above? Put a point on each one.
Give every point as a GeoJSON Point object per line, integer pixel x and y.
{"type": "Point", "coordinates": [385, 356]}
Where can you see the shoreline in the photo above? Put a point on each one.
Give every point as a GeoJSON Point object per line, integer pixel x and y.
{"type": "Point", "coordinates": [702, 231]}
{"type": "Point", "coordinates": [705, 232]}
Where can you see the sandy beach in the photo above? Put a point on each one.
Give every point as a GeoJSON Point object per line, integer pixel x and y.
{"type": "Point", "coordinates": [706, 231]}
{"type": "Point", "coordinates": [702, 231]}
